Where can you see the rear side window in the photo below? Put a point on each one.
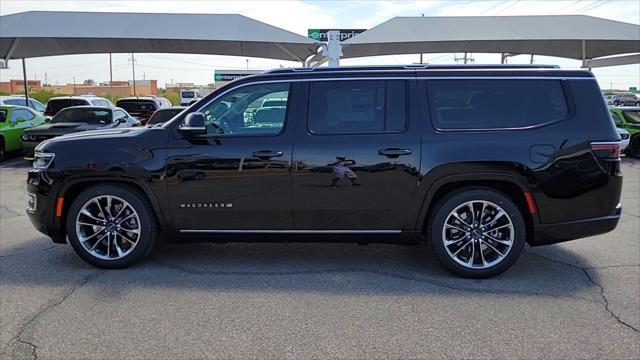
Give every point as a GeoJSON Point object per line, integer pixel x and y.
{"type": "Point", "coordinates": [53, 106]}
{"type": "Point", "coordinates": [359, 106]}
{"type": "Point", "coordinates": [495, 104]}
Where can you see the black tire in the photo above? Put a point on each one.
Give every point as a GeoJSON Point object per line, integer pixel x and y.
{"type": "Point", "coordinates": [147, 225]}
{"type": "Point", "coordinates": [3, 153]}
{"type": "Point", "coordinates": [638, 103]}
{"type": "Point", "coordinates": [634, 147]}
{"type": "Point", "coordinates": [446, 206]}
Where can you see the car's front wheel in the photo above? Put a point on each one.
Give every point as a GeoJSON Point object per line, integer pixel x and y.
{"type": "Point", "coordinates": [111, 226]}
{"type": "Point", "coordinates": [634, 147]}
{"type": "Point", "coordinates": [477, 232]}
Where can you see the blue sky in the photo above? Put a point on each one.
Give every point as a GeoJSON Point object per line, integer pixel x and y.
{"type": "Point", "coordinates": [298, 16]}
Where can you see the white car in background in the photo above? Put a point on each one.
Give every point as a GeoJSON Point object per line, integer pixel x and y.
{"type": "Point", "coordinates": [624, 135]}
{"type": "Point", "coordinates": [20, 100]}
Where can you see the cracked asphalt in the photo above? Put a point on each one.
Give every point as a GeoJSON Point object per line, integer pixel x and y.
{"type": "Point", "coordinates": [579, 299]}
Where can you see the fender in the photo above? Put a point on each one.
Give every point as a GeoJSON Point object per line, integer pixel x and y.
{"type": "Point", "coordinates": [121, 177]}
{"type": "Point", "coordinates": [443, 175]}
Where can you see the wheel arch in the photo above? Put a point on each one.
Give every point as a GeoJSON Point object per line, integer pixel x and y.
{"type": "Point", "coordinates": [73, 188]}
{"type": "Point", "coordinates": [511, 183]}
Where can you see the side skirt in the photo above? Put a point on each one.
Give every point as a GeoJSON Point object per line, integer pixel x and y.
{"type": "Point", "coordinates": [340, 236]}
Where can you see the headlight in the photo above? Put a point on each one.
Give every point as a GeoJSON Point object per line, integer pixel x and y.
{"type": "Point", "coordinates": [24, 137]}
{"type": "Point", "coordinates": [42, 160]}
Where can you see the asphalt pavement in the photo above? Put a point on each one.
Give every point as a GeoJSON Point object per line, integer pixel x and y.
{"type": "Point", "coordinates": [579, 299]}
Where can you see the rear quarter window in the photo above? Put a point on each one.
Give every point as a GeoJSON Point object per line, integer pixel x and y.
{"type": "Point", "coordinates": [463, 104]}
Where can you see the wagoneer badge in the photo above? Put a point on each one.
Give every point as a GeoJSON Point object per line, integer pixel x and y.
{"type": "Point", "coordinates": [197, 205]}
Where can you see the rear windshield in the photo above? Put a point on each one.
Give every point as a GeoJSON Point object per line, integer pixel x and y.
{"type": "Point", "coordinates": [138, 106]}
{"type": "Point", "coordinates": [632, 116]}
{"type": "Point", "coordinates": [161, 116]}
{"type": "Point", "coordinates": [53, 106]}
{"type": "Point", "coordinates": [82, 115]}
{"type": "Point", "coordinates": [22, 102]}
{"type": "Point", "coordinates": [3, 115]}
{"type": "Point", "coordinates": [271, 103]}
{"type": "Point", "coordinates": [188, 94]}
{"type": "Point", "coordinates": [495, 104]}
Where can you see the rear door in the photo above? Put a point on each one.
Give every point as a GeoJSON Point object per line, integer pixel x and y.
{"type": "Point", "coordinates": [355, 163]}
{"type": "Point", "coordinates": [237, 177]}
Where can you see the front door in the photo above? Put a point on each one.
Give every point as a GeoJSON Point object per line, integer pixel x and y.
{"type": "Point", "coordinates": [355, 164]}
{"type": "Point", "coordinates": [238, 176]}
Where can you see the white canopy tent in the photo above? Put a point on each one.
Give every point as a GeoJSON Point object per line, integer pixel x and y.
{"type": "Point", "coordinates": [570, 36]}
{"type": "Point", "coordinates": [46, 33]}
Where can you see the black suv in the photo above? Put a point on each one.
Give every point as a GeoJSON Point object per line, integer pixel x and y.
{"type": "Point", "coordinates": [477, 160]}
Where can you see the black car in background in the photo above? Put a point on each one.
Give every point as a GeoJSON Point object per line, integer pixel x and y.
{"type": "Point", "coordinates": [163, 115]}
{"type": "Point", "coordinates": [55, 104]}
{"type": "Point", "coordinates": [143, 107]}
{"type": "Point", "coordinates": [476, 160]}
{"type": "Point", "coordinates": [76, 119]}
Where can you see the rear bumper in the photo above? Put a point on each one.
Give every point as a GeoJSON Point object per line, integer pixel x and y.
{"type": "Point", "coordinates": [545, 234]}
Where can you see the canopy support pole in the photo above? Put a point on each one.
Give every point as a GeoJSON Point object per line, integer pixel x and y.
{"type": "Point", "coordinates": [286, 51]}
{"type": "Point", "coordinates": [26, 86]}
{"type": "Point", "coordinates": [12, 48]}
{"type": "Point", "coordinates": [584, 54]}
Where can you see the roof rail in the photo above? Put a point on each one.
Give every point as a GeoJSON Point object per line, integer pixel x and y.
{"type": "Point", "coordinates": [410, 67]}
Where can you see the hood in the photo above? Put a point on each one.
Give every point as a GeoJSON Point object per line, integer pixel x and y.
{"type": "Point", "coordinates": [65, 128]}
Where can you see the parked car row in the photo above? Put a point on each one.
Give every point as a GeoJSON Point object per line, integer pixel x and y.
{"type": "Point", "coordinates": [627, 118]}
{"type": "Point", "coordinates": [623, 99]}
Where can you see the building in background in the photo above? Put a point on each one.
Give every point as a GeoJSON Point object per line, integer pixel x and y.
{"type": "Point", "coordinates": [17, 86]}
{"type": "Point", "coordinates": [116, 88]}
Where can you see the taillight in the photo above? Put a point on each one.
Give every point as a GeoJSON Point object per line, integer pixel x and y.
{"type": "Point", "coordinates": [607, 150]}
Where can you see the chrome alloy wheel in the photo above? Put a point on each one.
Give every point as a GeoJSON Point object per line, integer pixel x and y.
{"type": "Point", "coordinates": [478, 234]}
{"type": "Point", "coordinates": [108, 227]}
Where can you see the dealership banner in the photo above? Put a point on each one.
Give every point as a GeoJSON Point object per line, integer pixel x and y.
{"type": "Point", "coordinates": [345, 34]}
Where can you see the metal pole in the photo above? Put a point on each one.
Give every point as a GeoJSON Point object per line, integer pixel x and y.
{"type": "Point", "coordinates": [133, 67]}
{"type": "Point", "coordinates": [531, 60]}
{"type": "Point", "coordinates": [502, 58]}
{"type": "Point", "coordinates": [465, 58]}
{"type": "Point", "coordinates": [584, 53]}
{"type": "Point", "coordinates": [110, 74]}
{"type": "Point", "coordinates": [26, 86]}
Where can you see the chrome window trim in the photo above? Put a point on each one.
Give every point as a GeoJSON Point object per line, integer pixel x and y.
{"type": "Point", "coordinates": [291, 231]}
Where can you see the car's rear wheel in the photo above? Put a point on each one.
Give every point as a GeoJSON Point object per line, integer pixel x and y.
{"type": "Point", "coordinates": [477, 232]}
{"type": "Point", "coordinates": [111, 226]}
{"type": "Point", "coordinates": [634, 147]}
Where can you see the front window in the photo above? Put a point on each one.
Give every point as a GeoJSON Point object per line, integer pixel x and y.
{"type": "Point", "coordinates": [240, 112]}
{"type": "Point", "coordinates": [80, 115]}
{"type": "Point", "coordinates": [632, 116]}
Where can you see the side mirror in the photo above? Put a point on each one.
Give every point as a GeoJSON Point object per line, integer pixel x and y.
{"type": "Point", "coordinates": [193, 124]}
{"type": "Point", "coordinates": [121, 120]}
{"type": "Point", "coordinates": [47, 119]}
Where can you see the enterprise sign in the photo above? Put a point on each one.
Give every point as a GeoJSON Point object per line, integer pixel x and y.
{"type": "Point", "coordinates": [345, 34]}
{"type": "Point", "coordinates": [226, 75]}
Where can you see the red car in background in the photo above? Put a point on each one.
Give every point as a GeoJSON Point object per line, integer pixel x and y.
{"type": "Point", "coordinates": [143, 107]}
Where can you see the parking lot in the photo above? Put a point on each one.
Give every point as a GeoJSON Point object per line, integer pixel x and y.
{"type": "Point", "coordinates": [579, 299]}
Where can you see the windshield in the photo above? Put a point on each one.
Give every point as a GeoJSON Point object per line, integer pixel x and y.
{"type": "Point", "coordinates": [161, 116]}
{"type": "Point", "coordinates": [188, 94]}
{"type": "Point", "coordinates": [81, 115]}
{"type": "Point", "coordinates": [632, 116]}
{"type": "Point", "coordinates": [137, 106]}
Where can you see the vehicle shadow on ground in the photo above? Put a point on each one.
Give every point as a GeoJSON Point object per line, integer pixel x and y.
{"type": "Point", "coordinates": [313, 267]}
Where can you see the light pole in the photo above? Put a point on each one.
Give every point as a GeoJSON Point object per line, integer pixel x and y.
{"type": "Point", "coordinates": [133, 69]}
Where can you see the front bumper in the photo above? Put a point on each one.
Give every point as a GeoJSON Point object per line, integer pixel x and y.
{"type": "Point", "coordinates": [41, 207]}
{"type": "Point", "coordinates": [545, 234]}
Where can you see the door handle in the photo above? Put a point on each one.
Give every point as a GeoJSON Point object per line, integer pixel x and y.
{"type": "Point", "coordinates": [266, 154]}
{"type": "Point", "coordinates": [394, 152]}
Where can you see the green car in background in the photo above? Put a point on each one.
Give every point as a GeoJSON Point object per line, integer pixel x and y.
{"type": "Point", "coordinates": [628, 118]}
{"type": "Point", "coordinates": [13, 121]}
